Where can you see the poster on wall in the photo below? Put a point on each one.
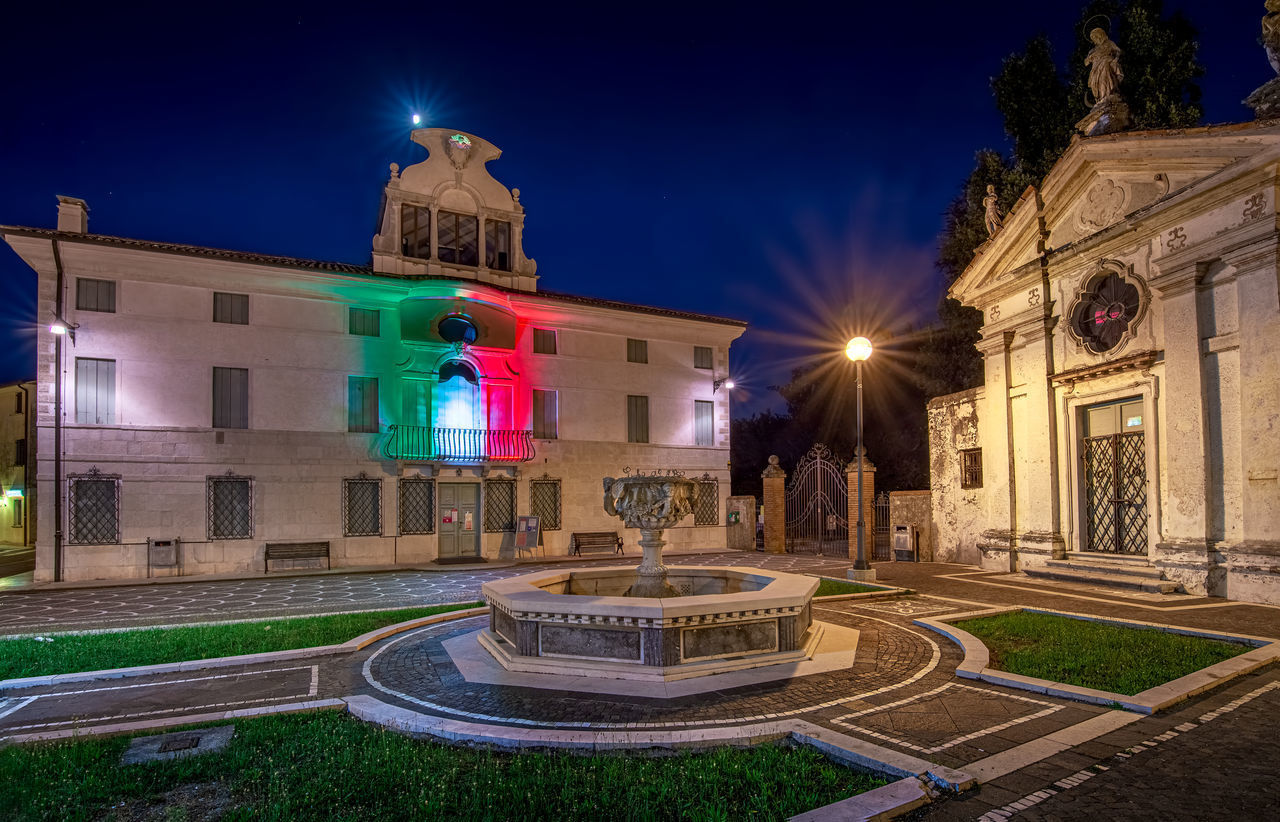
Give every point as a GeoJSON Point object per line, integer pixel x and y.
{"type": "Point", "coordinates": [528, 533]}
{"type": "Point", "coordinates": [467, 524]}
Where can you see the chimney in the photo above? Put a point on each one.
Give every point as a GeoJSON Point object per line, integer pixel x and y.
{"type": "Point", "coordinates": [73, 215]}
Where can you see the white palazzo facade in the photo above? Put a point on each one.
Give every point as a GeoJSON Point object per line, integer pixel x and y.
{"type": "Point", "coordinates": [215, 403]}
{"type": "Point", "coordinates": [1131, 344]}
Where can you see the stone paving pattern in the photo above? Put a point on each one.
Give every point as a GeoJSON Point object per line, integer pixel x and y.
{"type": "Point", "coordinates": [1213, 757]}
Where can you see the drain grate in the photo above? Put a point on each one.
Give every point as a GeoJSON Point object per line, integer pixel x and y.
{"type": "Point", "coordinates": [179, 743]}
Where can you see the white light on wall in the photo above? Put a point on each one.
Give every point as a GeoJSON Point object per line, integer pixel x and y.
{"type": "Point", "coordinates": [58, 328]}
{"type": "Point", "coordinates": [13, 492]}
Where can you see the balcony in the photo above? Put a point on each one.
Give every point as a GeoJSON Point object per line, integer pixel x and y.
{"type": "Point", "coordinates": [425, 444]}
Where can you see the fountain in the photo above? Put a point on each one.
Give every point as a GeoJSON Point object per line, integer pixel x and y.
{"type": "Point", "coordinates": [650, 622]}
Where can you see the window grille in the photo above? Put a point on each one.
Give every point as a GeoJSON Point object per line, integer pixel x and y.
{"type": "Point", "coordinates": [971, 468]}
{"type": "Point", "coordinates": [546, 422]}
{"type": "Point", "coordinates": [95, 295]}
{"type": "Point", "coordinates": [704, 423]}
{"type": "Point", "coordinates": [230, 397]}
{"type": "Point", "coordinates": [95, 391]}
{"type": "Point", "coordinates": [706, 510]}
{"type": "Point", "coordinates": [230, 507]}
{"type": "Point", "coordinates": [499, 505]}
{"type": "Point", "coordinates": [231, 308]}
{"type": "Point", "coordinates": [361, 507]}
{"type": "Point", "coordinates": [702, 356]}
{"type": "Point", "coordinates": [637, 418]}
{"type": "Point", "coordinates": [457, 238]}
{"type": "Point", "coordinates": [417, 505]}
{"type": "Point", "coordinates": [544, 502]}
{"type": "Point", "coordinates": [415, 231]}
{"type": "Point", "coordinates": [362, 404]}
{"type": "Point", "coordinates": [637, 350]}
{"type": "Point", "coordinates": [363, 322]}
{"type": "Point", "coordinates": [497, 244]}
{"type": "Point", "coordinates": [94, 507]}
{"type": "Point", "coordinates": [544, 341]}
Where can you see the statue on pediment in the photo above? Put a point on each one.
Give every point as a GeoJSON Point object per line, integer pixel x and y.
{"type": "Point", "coordinates": [991, 212]}
{"type": "Point", "coordinates": [1103, 61]}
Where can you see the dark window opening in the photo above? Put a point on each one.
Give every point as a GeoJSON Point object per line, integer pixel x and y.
{"type": "Point", "coordinates": [497, 245]}
{"type": "Point", "coordinates": [457, 238]}
{"type": "Point", "coordinates": [971, 468]}
{"type": "Point", "coordinates": [415, 231]}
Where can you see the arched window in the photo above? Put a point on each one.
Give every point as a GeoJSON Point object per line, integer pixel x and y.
{"type": "Point", "coordinates": [459, 396]}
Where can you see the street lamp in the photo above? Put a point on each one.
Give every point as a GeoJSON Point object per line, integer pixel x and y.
{"type": "Point", "coordinates": [859, 349]}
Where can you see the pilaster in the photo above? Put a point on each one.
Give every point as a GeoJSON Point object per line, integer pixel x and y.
{"type": "Point", "coordinates": [775, 508]}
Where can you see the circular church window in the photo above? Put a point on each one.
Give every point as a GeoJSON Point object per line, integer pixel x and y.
{"type": "Point", "coordinates": [1103, 315]}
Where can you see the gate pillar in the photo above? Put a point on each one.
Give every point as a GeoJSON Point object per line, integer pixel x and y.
{"type": "Point", "coordinates": [775, 508]}
{"type": "Point", "coordinates": [868, 508]}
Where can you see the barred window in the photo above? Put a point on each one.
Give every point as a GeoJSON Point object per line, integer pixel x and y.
{"type": "Point", "coordinates": [702, 356]}
{"type": "Point", "coordinates": [361, 507]}
{"type": "Point", "coordinates": [94, 508]}
{"type": "Point", "coordinates": [231, 308]}
{"type": "Point", "coordinates": [706, 509]}
{"type": "Point", "coordinates": [637, 350]}
{"type": "Point", "coordinates": [363, 322]}
{"type": "Point", "coordinates": [499, 505]}
{"type": "Point", "coordinates": [415, 231]}
{"type": "Point", "coordinates": [95, 295]}
{"type": "Point", "coordinates": [417, 505]}
{"type": "Point", "coordinates": [230, 507]}
{"type": "Point", "coordinates": [971, 468]}
{"type": "Point", "coordinates": [544, 502]}
{"type": "Point", "coordinates": [544, 341]}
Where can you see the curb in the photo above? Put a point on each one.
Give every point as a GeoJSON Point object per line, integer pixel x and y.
{"type": "Point", "coordinates": [349, 646]}
{"type": "Point", "coordinates": [977, 660]}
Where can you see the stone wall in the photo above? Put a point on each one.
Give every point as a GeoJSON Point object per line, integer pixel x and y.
{"type": "Point", "coordinates": [913, 508]}
{"type": "Point", "coordinates": [957, 513]}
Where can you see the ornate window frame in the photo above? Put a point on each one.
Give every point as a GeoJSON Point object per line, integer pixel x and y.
{"type": "Point", "coordinates": [1087, 292]}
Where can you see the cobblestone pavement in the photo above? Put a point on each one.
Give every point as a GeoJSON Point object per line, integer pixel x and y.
{"type": "Point", "coordinates": [263, 597]}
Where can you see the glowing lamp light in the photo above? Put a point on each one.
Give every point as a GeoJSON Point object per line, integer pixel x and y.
{"type": "Point", "coordinates": [14, 493]}
{"type": "Point", "coordinates": [417, 119]}
{"type": "Point", "coordinates": [58, 327]}
{"type": "Point", "coordinates": [728, 384]}
{"type": "Point", "coordinates": [858, 349]}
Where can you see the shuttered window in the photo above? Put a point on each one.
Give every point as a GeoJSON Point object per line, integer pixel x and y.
{"type": "Point", "coordinates": [20, 452]}
{"type": "Point", "coordinates": [544, 341]}
{"type": "Point", "coordinates": [703, 423]}
{"type": "Point", "coordinates": [362, 404]}
{"type": "Point", "coordinates": [545, 415]}
{"type": "Point", "coordinates": [637, 350]}
{"type": "Point", "coordinates": [415, 231]}
{"type": "Point", "coordinates": [363, 322]}
{"type": "Point", "coordinates": [702, 356]}
{"type": "Point", "coordinates": [230, 397]}
{"type": "Point", "coordinates": [95, 391]}
{"type": "Point", "coordinates": [95, 295]}
{"type": "Point", "coordinates": [637, 418]}
{"type": "Point", "coordinates": [231, 308]}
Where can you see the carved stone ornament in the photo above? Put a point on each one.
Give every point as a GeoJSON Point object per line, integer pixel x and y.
{"type": "Point", "coordinates": [1107, 310]}
{"type": "Point", "coordinates": [651, 504]}
{"type": "Point", "coordinates": [1103, 205]}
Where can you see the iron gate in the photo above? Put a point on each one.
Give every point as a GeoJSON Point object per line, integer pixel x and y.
{"type": "Point", "coordinates": [818, 505]}
{"type": "Point", "coordinates": [881, 551]}
{"type": "Point", "coordinates": [1115, 469]}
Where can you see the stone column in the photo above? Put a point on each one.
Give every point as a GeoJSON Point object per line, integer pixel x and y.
{"type": "Point", "coordinates": [868, 508]}
{"type": "Point", "coordinates": [775, 508]}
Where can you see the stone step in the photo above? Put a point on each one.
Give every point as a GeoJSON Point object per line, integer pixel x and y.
{"type": "Point", "coordinates": [1110, 580]}
{"type": "Point", "coordinates": [1131, 569]}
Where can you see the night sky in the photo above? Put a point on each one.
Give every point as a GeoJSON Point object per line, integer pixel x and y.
{"type": "Point", "coordinates": [775, 166]}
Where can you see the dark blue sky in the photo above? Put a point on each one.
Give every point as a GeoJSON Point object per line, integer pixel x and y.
{"type": "Point", "coordinates": [769, 165]}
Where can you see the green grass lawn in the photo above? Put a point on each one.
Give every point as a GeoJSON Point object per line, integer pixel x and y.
{"type": "Point", "coordinates": [70, 653]}
{"type": "Point", "coordinates": [329, 765]}
{"type": "Point", "coordinates": [1092, 654]}
{"type": "Point", "coordinates": [832, 587]}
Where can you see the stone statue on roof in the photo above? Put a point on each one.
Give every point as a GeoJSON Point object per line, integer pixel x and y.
{"type": "Point", "coordinates": [992, 214]}
{"type": "Point", "coordinates": [1271, 33]}
{"type": "Point", "coordinates": [1265, 100]}
{"type": "Point", "coordinates": [1103, 61]}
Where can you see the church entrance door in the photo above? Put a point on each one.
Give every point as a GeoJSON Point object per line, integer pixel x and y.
{"type": "Point", "coordinates": [1115, 478]}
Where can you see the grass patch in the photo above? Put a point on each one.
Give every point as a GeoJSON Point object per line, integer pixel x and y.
{"type": "Point", "coordinates": [1093, 654]}
{"type": "Point", "coordinates": [72, 653]}
{"type": "Point", "coordinates": [832, 587]}
{"type": "Point", "coordinates": [329, 765]}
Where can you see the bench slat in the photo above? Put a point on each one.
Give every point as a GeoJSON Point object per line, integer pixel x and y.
{"type": "Point", "coordinates": [595, 541]}
{"type": "Point", "coordinates": [294, 550]}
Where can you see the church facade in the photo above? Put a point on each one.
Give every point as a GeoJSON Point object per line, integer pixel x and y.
{"type": "Point", "coordinates": [230, 412]}
{"type": "Point", "coordinates": [1130, 414]}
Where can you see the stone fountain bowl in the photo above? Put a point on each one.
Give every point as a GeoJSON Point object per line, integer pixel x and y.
{"type": "Point", "coordinates": [579, 623]}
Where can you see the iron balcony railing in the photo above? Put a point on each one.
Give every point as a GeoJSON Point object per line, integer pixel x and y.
{"type": "Point", "coordinates": [420, 442]}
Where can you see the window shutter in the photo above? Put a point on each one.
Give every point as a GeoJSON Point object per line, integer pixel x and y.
{"type": "Point", "coordinates": [230, 397]}
{"type": "Point", "coordinates": [95, 391]}
{"type": "Point", "coordinates": [703, 423]}
{"type": "Point", "coordinates": [637, 418]}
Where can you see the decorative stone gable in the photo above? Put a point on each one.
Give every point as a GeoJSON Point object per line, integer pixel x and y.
{"type": "Point", "coordinates": [448, 216]}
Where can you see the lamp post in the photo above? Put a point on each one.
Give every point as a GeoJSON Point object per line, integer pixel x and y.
{"type": "Point", "coordinates": [859, 349]}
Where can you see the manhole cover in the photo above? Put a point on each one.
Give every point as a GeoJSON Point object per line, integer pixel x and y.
{"type": "Point", "coordinates": [179, 743]}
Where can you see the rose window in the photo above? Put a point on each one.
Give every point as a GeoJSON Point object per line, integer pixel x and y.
{"type": "Point", "coordinates": [1103, 315]}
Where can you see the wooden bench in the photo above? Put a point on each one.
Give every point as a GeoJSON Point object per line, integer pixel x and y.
{"type": "Point", "coordinates": [295, 550]}
{"type": "Point", "coordinates": [594, 541]}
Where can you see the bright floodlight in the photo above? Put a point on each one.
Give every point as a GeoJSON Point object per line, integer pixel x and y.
{"type": "Point", "coordinates": [58, 327]}
{"type": "Point", "coordinates": [728, 383]}
{"type": "Point", "coordinates": [858, 349]}
{"type": "Point", "coordinates": [417, 119]}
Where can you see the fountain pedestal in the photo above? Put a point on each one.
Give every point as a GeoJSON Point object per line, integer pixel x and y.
{"type": "Point", "coordinates": [651, 504]}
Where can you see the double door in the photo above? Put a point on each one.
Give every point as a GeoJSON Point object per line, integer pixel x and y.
{"type": "Point", "coordinates": [459, 520]}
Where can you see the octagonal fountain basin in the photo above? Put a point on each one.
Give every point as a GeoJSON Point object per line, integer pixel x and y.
{"type": "Point", "coordinates": [579, 623]}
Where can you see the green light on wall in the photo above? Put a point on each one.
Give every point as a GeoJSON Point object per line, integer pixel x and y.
{"type": "Point", "coordinates": [14, 493]}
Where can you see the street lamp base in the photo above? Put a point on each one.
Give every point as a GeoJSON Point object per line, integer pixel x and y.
{"type": "Point", "coordinates": [856, 575]}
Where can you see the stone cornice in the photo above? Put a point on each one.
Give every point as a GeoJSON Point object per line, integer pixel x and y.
{"type": "Point", "coordinates": [1133, 362]}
